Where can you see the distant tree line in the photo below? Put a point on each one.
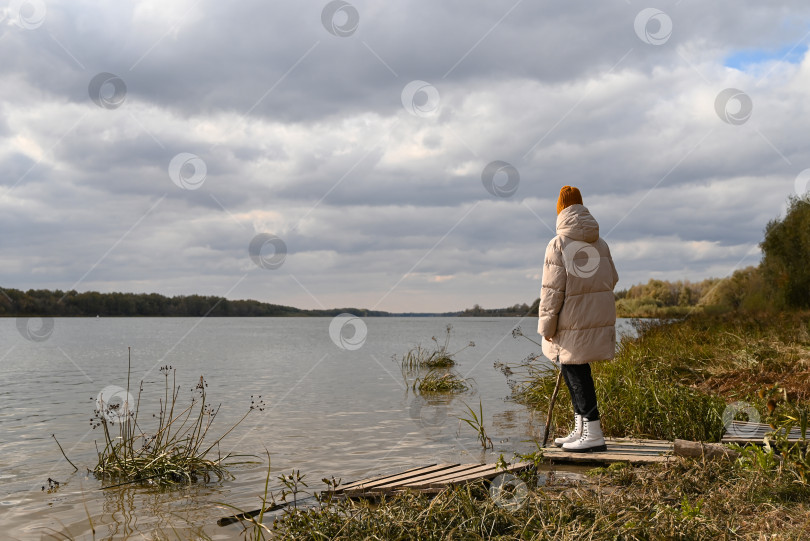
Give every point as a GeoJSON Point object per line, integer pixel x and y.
{"type": "Point", "coordinates": [44, 302]}
{"type": "Point", "coordinates": [659, 298]}
{"type": "Point", "coordinates": [518, 310]}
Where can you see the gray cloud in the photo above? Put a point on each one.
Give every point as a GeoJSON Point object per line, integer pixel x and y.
{"type": "Point", "coordinates": [304, 135]}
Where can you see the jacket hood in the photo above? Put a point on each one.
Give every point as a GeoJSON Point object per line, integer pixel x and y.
{"type": "Point", "coordinates": [576, 223]}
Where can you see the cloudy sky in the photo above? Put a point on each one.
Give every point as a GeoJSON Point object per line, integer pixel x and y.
{"type": "Point", "coordinates": [147, 146]}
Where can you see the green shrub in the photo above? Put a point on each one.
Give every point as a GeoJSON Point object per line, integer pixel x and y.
{"type": "Point", "coordinates": [786, 250]}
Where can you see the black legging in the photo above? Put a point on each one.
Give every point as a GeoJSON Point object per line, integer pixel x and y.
{"type": "Point", "coordinates": [583, 394]}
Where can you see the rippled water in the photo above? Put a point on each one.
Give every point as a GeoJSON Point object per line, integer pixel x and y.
{"type": "Point", "coordinates": [329, 411]}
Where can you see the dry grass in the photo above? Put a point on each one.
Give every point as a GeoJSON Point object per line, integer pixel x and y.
{"type": "Point", "coordinates": [683, 500]}
{"type": "Point", "coordinates": [675, 380]}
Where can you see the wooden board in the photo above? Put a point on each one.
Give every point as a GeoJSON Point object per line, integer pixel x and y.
{"type": "Point", "coordinates": [361, 481]}
{"type": "Point", "coordinates": [745, 432]}
{"type": "Point", "coordinates": [481, 471]}
{"type": "Point", "coordinates": [489, 473]}
{"type": "Point", "coordinates": [634, 451]}
{"type": "Point", "coordinates": [386, 479]}
{"type": "Point", "coordinates": [428, 479]}
{"type": "Point", "coordinates": [424, 478]}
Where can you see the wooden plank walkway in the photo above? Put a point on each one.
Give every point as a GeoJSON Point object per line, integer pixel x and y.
{"type": "Point", "coordinates": [745, 432]}
{"type": "Point", "coordinates": [428, 479]}
{"type": "Point", "coordinates": [634, 451]}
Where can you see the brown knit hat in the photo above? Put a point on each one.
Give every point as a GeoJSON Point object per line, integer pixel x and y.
{"type": "Point", "coordinates": [568, 196]}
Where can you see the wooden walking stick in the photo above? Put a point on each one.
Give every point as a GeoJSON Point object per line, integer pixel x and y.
{"type": "Point", "coordinates": [551, 404]}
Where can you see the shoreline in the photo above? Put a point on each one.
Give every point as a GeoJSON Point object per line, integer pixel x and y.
{"type": "Point", "coordinates": [669, 390]}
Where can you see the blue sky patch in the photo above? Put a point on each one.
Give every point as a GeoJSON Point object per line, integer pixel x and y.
{"type": "Point", "coordinates": [746, 58]}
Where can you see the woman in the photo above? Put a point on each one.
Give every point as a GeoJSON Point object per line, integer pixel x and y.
{"type": "Point", "coordinates": [578, 313]}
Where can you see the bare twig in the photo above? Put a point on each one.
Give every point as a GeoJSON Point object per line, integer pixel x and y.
{"type": "Point", "coordinates": [63, 453]}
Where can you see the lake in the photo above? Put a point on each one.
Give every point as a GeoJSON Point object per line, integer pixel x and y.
{"type": "Point", "coordinates": [335, 404]}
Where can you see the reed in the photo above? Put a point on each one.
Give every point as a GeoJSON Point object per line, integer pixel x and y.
{"type": "Point", "coordinates": [252, 522]}
{"type": "Point", "coordinates": [476, 422]}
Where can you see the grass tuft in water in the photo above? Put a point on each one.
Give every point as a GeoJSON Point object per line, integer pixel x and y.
{"type": "Point", "coordinates": [439, 356]}
{"type": "Point", "coordinates": [175, 450]}
{"type": "Point", "coordinates": [476, 422]}
{"type": "Point", "coordinates": [438, 381]}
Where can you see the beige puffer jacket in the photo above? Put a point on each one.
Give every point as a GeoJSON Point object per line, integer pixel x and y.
{"type": "Point", "coordinates": [577, 308]}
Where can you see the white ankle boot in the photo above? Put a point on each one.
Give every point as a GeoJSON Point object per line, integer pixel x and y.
{"type": "Point", "coordinates": [574, 435]}
{"type": "Point", "coordinates": [591, 439]}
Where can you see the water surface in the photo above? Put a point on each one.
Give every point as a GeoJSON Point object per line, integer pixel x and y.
{"type": "Point", "coordinates": [328, 411]}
